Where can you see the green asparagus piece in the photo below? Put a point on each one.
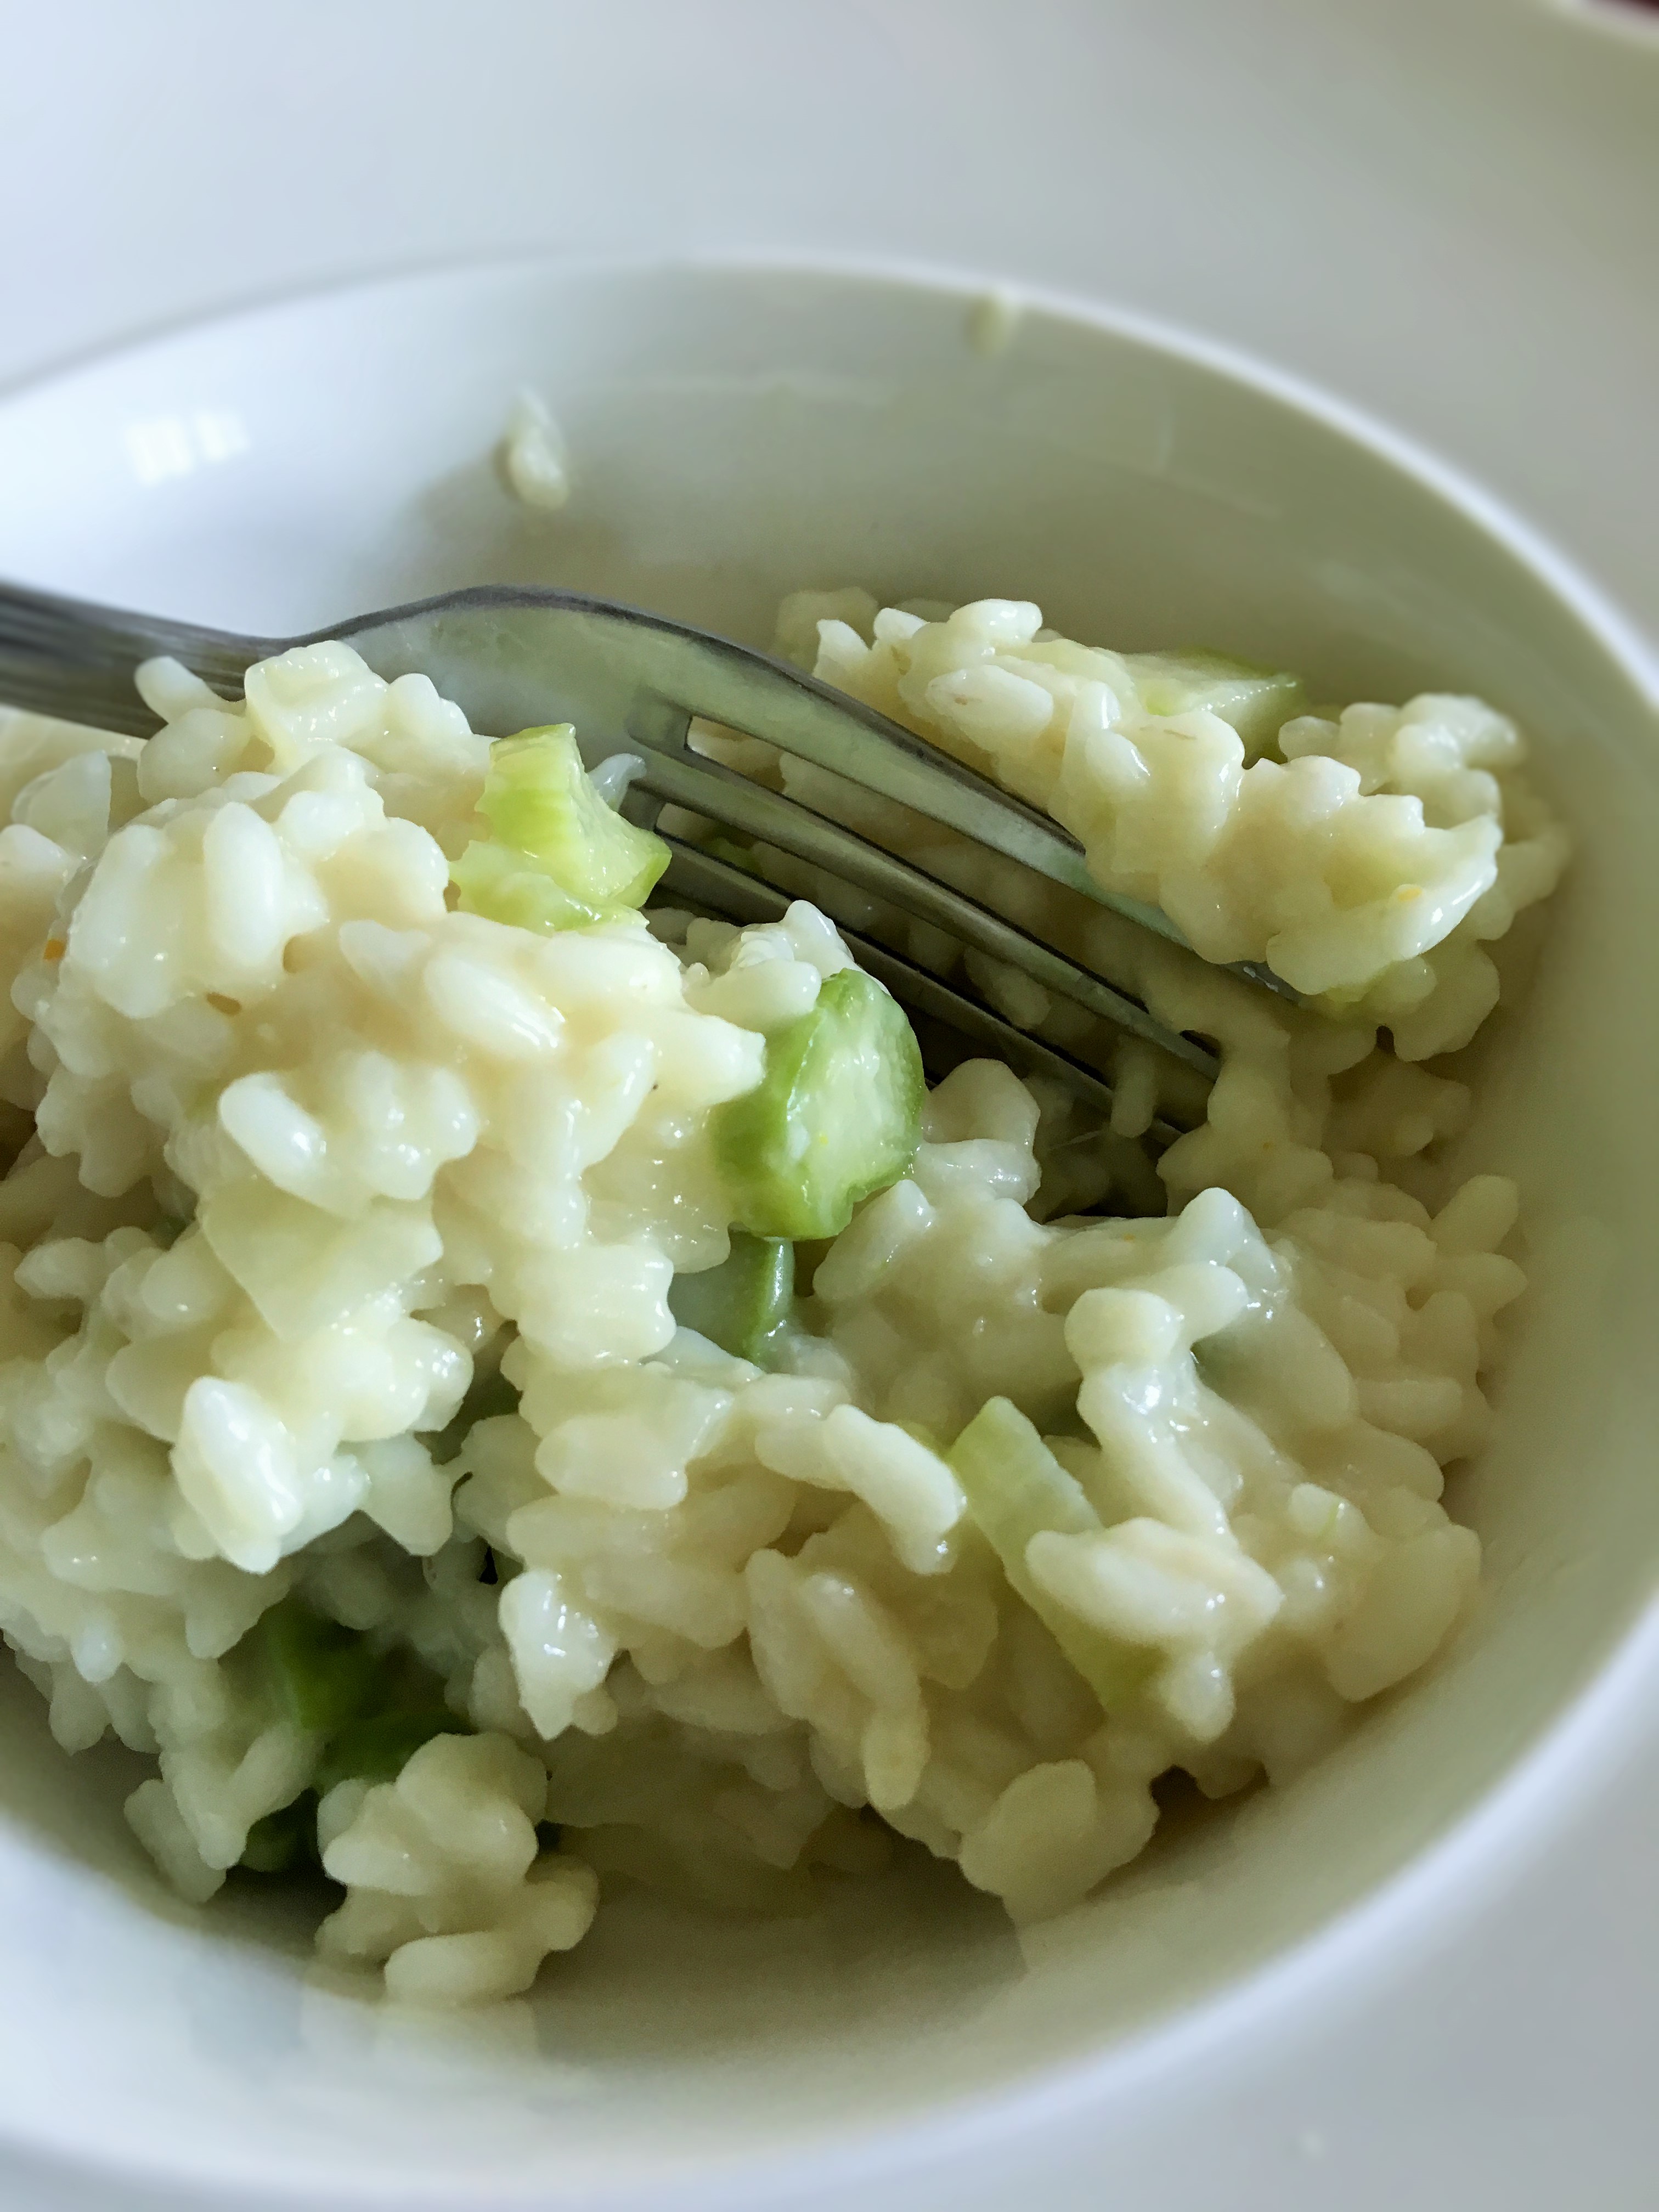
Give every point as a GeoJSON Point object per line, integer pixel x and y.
{"type": "Point", "coordinates": [1257, 702]}
{"type": "Point", "coordinates": [837, 1115]}
{"type": "Point", "coordinates": [745, 1304]}
{"type": "Point", "coordinates": [560, 858]}
{"type": "Point", "coordinates": [1015, 1488]}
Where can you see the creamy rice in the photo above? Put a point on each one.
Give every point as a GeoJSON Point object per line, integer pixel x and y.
{"type": "Point", "coordinates": [338, 1253]}
{"type": "Point", "coordinates": [534, 457]}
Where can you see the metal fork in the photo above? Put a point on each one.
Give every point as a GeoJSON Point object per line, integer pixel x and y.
{"type": "Point", "coordinates": [512, 658]}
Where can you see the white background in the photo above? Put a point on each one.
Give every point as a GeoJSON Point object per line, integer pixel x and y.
{"type": "Point", "coordinates": [1447, 210]}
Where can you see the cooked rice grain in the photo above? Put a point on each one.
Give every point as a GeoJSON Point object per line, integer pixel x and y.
{"type": "Point", "coordinates": [311, 1152]}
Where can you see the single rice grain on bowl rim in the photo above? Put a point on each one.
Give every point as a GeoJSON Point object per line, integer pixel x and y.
{"type": "Point", "coordinates": [506, 1391]}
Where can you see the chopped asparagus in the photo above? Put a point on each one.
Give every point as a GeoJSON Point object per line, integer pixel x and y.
{"type": "Point", "coordinates": [322, 1675]}
{"type": "Point", "coordinates": [377, 1747]}
{"type": "Point", "coordinates": [745, 1304]}
{"type": "Point", "coordinates": [837, 1115]}
{"type": "Point", "coordinates": [1016, 1487]}
{"type": "Point", "coordinates": [373, 1711]}
{"type": "Point", "coordinates": [1257, 702]}
{"type": "Point", "coordinates": [560, 858]}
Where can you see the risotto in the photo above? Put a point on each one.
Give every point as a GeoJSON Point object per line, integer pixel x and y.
{"type": "Point", "coordinates": [508, 1391]}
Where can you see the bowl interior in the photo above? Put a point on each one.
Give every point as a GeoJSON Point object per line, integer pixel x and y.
{"type": "Point", "coordinates": [736, 433]}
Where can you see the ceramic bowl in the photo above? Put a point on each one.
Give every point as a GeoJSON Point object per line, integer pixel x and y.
{"type": "Point", "coordinates": [737, 432]}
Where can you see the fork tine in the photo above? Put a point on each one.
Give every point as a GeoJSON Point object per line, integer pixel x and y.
{"type": "Point", "coordinates": [678, 674]}
{"type": "Point", "coordinates": [681, 674]}
{"type": "Point", "coordinates": [737, 802]}
{"type": "Point", "coordinates": [716, 885]}
{"type": "Point", "coordinates": [615, 668]}
{"type": "Point", "coordinates": [612, 667]}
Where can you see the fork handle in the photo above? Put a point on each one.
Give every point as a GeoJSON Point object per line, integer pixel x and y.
{"type": "Point", "coordinates": [76, 660]}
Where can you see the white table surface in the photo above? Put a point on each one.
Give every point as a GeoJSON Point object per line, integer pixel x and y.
{"type": "Point", "coordinates": [1445, 210]}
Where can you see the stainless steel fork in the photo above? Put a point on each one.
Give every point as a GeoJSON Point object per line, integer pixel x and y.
{"type": "Point", "coordinates": [512, 658]}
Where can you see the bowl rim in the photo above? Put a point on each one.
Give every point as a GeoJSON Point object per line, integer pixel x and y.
{"type": "Point", "coordinates": [1483, 1850]}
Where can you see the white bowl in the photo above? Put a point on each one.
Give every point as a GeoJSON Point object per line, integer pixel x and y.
{"type": "Point", "coordinates": [735, 433]}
